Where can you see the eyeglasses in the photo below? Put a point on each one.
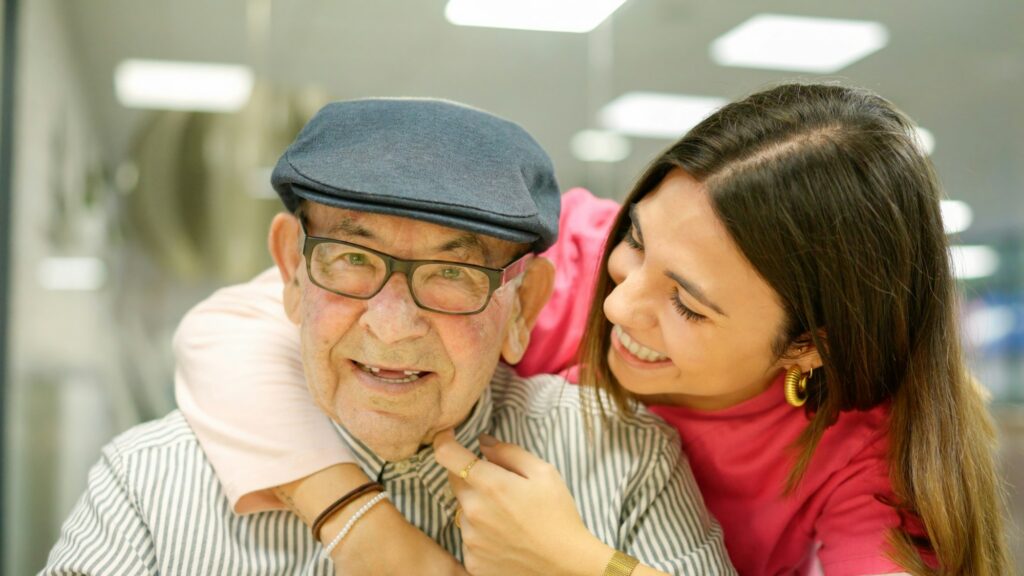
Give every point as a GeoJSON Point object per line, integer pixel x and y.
{"type": "Point", "coordinates": [359, 272]}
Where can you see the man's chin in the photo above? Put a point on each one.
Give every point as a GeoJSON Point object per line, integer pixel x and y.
{"type": "Point", "coordinates": [392, 437]}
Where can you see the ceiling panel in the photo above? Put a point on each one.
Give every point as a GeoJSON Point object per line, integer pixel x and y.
{"type": "Point", "coordinates": [957, 68]}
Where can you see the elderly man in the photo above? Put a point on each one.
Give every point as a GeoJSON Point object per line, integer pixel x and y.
{"type": "Point", "coordinates": [408, 262]}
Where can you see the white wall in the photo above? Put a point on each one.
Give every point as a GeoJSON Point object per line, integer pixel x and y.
{"type": "Point", "coordinates": [63, 363]}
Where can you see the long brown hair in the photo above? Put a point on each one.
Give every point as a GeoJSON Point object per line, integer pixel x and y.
{"type": "Point", "coordinates": [825, 191]}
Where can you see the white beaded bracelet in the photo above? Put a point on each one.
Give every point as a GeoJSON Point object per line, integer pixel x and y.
{"type": "Point", "coordinates": [352, 522]}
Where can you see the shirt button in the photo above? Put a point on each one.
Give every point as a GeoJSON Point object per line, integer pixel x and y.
{"type": "Point", "coordinates": [448, 494]}
{"type": "Point", "coordinates": [403, 466]}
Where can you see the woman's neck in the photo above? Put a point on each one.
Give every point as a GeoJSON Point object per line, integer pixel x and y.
{"type": "Point", "coordinates": [709, 403]}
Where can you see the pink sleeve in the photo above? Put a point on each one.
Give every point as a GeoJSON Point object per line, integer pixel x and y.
{"type": "Point", "coordinates": [583, 227]}
{"type": "Point", "coordinates": [239, 382]}
{"type": "Point", "coordinates": [855, 520]}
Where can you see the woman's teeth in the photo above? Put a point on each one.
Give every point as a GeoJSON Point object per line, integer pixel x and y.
{"type": "Point", "coordinates": [636, 349]}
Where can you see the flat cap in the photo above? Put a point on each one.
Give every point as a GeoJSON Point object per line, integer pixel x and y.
{"type": "Point", "coordinates": [432, 160]}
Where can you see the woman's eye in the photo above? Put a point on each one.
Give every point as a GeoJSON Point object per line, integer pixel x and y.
{"type": "Point", "coordinates": [682, 309]}
{"type": "Point", "coordinates": [631, 240]}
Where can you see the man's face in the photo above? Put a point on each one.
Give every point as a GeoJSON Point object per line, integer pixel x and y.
{"type": "Point", "coordinates": [393, 374]}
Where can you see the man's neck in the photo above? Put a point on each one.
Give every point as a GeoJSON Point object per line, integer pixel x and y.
{"type": "Point", "coordinates": [374, 459]}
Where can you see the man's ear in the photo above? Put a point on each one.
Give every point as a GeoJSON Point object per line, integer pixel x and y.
{"type": "Point", "coordinates": [534, 292]}
{"type": "Point", "coordinates": [283, 242]}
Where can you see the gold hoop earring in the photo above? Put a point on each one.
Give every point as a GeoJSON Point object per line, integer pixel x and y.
{"type": "Point", "coordinates": [796, 386]}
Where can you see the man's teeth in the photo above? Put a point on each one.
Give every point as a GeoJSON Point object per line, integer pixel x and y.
{"type": "Point", "coordinates": [636, 349]}
{"type": "Point", "coordinates": [410, 375]}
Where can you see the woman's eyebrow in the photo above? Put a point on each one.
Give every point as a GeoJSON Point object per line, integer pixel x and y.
{"type": "Point", "coordinates": [636, 222]}
{"type": "Point", "coordinates": [691, 287]}
{"type": "Point", "coordinates": [695, 291]}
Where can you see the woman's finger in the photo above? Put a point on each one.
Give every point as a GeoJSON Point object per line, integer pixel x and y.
{"type": "Point", "coordinates": [512, 457]}
{"type": "Point", "coordinates": [458, 460]}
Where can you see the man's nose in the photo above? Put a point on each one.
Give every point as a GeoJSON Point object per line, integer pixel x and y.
{"type": "Point", "coordinates": [630, 303]}
{"type": "Point", "coordinates": [392, 315]}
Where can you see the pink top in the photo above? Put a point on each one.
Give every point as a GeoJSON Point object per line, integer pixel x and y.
{"type": "Point", "coordinates": [741, 458]}
{"type": "Point", "coordinates": [240, 385]}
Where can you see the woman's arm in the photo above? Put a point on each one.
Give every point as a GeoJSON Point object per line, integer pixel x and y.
{"type": "Point", "coordinates": [409, 551]}
{"type": "Point", "coordinates": [240, 384]}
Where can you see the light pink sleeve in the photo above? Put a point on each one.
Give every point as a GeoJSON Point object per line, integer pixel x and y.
{"type": "Point", "coordinates": [240, 385]}
{"type": "Point", "coordinates": [582, 230]}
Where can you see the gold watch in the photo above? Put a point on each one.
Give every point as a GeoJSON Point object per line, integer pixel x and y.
{"type": "Point", "coordinates": [620, 565]}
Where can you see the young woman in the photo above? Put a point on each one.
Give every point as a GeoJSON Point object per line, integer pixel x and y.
{"type": "Point", "coordinates": [778, 288]}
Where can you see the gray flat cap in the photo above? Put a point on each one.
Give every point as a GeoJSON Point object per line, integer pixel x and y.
{"type": "Point", "coordinates": [432, 160]}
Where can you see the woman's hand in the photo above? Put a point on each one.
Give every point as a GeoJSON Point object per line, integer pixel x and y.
{"type": "Point", "coordinates": [517, 514]}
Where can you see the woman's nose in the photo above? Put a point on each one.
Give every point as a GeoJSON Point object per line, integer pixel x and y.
{"type": "Point", "coordinates": [630, 303]}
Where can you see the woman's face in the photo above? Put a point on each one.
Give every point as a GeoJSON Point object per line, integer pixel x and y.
{"type": "Point", "coordinates": [694, 323]}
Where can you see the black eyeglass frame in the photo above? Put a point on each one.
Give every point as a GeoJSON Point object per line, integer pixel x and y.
{"type": "Point", "coordinates": [497, 277]}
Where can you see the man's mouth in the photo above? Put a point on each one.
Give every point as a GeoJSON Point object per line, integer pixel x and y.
{"type": "Point", "coordinates": [391, 375]}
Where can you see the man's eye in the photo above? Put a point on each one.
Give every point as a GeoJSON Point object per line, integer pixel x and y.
{"type": "Point", "coordinates": [451, 273]}
{"type": "Point", "coordinates": [354, 259]}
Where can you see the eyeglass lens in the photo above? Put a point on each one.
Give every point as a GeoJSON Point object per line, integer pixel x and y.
{"type": "Point", "coordinates": [446, 287]}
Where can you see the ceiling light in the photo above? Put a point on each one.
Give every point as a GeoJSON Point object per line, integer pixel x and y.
{"type": "Point", "coordinates": [600, 146]}
{"type": "Point", "coordinates": [987, 324]}
{"type": "Point", "coordinates": [974, 261]}
{"type": "Point", "coordinates": [654, 115]}
{"type": "Point", "coordinates": [925, 139]}
{"type": "Point", "coordinates": [546, 15]}
{"type": "Point", "coordinates": [82, 274]}
{"type": "Point", "coordinates": [798, 43]}
{"type": "Point", "coordinates": [166, 85]}
{"type": "Point", "coordinates": [956, 216]}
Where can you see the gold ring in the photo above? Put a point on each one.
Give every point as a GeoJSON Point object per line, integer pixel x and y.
{"type": "Point", "coordinates": [458, 517]}
{"type": "Point", "coordinates": [464, 473]}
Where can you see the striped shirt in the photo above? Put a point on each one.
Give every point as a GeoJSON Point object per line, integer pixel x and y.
{"type": "Point", "coordinates": [153, 504]}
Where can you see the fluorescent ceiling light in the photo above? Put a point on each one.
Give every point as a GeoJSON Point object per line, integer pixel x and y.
{"type": "Point", "coordinates": [956, 216]}
{"type": "Point", "coordinates": [974, 261]}
{"type": "Point", "coordinates": [925, 139]}
{"type": "Point", "coordinates": [82, 274]}
{"type": "Point", "coordinates": [600, 146]}
{"type": "Point", "coordinates": [546, 15]}
{"type": "Point", "coordinates": [166, 85]}
{"type": "Point", "coordinates": [654, 115]}
{"type": "Point", "coordinates": [798, 43]}
{"type": "Point", "coordinates": [987, 324]}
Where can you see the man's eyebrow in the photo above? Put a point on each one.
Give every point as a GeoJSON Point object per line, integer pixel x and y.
{"type": "Point", "coordinates": [636, 222]}
{"type": "Point", "coordinates": [349, 227]}
{"type": "Point", "coordinates": [466, 242]}
{"type": "Point", "coordinates": [694, 291]}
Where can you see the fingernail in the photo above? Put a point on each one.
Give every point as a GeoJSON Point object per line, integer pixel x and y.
{"type": "Point", "coordinates": [488, 440]}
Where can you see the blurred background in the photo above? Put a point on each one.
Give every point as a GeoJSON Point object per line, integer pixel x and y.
{"type": "Point", "coordinates": [136, 140]}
